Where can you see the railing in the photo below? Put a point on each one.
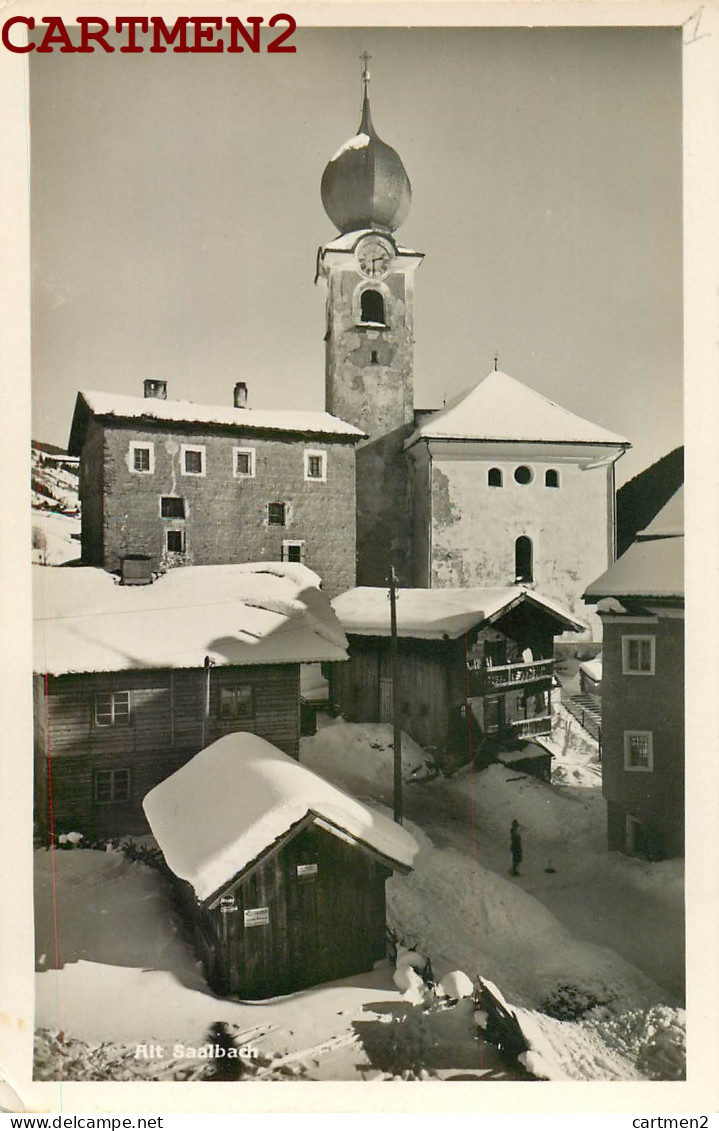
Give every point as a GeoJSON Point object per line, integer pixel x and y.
{"type": "Point", "coordinates": [523, 728]}
{"type": "Point", "coordinates": [509, 675]}
{"type": "Point", "coordinates": [586, 714]}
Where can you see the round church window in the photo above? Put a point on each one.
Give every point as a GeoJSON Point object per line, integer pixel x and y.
{"type": "Point", "coordinates": [523, 475]}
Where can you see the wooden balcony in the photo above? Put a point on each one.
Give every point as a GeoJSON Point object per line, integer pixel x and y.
{"type": "Point", "coordinates": [484, 679]}
{"type": "Point", "coordinates": [525, 728]}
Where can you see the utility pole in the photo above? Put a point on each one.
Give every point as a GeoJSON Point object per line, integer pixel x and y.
{"type": "Point", "coordinates": [206, 701]}
{"type": "Point", "coordinates": [396, 700]}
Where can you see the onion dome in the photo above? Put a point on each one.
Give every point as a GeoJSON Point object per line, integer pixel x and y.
{"type": "Point", "coordinates": [365, 184]}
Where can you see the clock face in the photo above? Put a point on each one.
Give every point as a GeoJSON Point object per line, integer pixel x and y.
{"type": "Point", "coordinates": [374, 258]}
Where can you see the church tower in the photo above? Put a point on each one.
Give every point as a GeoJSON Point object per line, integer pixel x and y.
{"type": "Point", "coordinates": [369, 337]}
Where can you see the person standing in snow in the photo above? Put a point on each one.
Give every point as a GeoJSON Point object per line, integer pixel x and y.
{"type": "Point", "coordinates": [515, 843]}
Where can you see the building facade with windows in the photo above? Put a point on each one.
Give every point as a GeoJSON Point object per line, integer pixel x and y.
{"type": "Point", "coordinates": [510, 487]}
{"type": "Point", "coordinates": [131, 681]}
{"type": "Point", "coordinates": [640, 599]}
{"type": "Point", "coordinates": [187, 484]}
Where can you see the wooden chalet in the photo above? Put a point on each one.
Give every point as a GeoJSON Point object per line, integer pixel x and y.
{"type": "Point", "coordinates": [132, 680]}
{"type": "Point", "coordinates": [281, 873]}
{"type": "Point", "coordinates": [476, 664]}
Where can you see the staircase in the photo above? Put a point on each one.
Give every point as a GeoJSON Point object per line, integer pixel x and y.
{"type": "Point", "coordinates": [588, 712]}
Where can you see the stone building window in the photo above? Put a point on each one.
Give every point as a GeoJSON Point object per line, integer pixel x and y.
{"type": "Point", "coordinates": [316, 466]}
{"type": "Point", "coordinates": [142, 458]}
{"type": "Point", "coordinates": [638, 750]}
{"type": "Point", "coordinates": [293, 551]}
{"type": "Point", "coordinates": [523, 475]}
{"type": "Point", "coordinates": [372, 307]}
{"type": "Point", "coordinates": [112, 708]}
{"type": "Point", "coordinates": [494, 477]}
{"type": "Point", "coordinates": [638, 655]}
{"type": "Point", "coordinates": [244, 463]}
{"type": "Point", "coordinates": [112, 786]}
{"type": "Point", "coordinates": [276, 514]}
{"type": "Point", "coordinates": [551, 477]}
{"type": "Point", "coordinates": [523, 555]}
{"type": "Point", "coordinates": [172, 507]}
{"type": "Point", "coordinates": [175, 541]}
{"type": "Point", "coordinates": [236, 701]}
{"type": "Point", "coordinates": [193, 459]}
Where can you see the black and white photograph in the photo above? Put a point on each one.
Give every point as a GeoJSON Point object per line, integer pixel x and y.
{"type": "Point", "coordinates": [357, 540]}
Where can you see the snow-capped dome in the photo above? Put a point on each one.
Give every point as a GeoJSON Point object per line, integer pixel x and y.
{"type": "Point", "coordinates": [365, 184]}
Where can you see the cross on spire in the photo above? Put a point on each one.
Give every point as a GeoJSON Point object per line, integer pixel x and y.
{"type": "Point", "coordinates": [365, 58]}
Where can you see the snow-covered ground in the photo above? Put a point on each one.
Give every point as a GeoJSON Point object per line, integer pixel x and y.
{"type": "Point", "coordinates": [55, 511]}
{"type": "Point", "coordinates": [127, 977]}
{"type": "Point", "coordinates": [599, 938]}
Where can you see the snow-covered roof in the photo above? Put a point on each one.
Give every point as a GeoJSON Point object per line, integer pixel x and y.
{"type": "Point", "coordinates": [502, 408]}
{"type": "Point", "coordinates": [259, 613]}
{"type": "Point", "coordinates": [223, 809]}
{"type": "Point", "coordinates": [651, 568]}
{"type": "Point", "coordinates": [593, 668]}
{"type": "Point", "coordinates": [433, 614]}
{"type": "Point", "coordinates": [669, 521]}
{"type": "Point", "coordinates": [187, 412]}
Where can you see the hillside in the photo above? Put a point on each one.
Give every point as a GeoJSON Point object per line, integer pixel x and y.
{"type": "Point", "coordinates": [55, 505]}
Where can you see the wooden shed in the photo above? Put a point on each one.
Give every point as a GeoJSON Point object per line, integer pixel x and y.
{"type": "Point", "coordinates": [282, 874]}
{"type": "Point", "coordinates": [476, 664]}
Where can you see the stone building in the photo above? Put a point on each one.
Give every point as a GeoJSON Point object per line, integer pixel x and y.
{"type": "Point", "coordinates": [187, 484]}
{"type": "Point", "coordinates": [501, 486]}
{"type": "Point", "coordinates": [509, 487]}
{"type": "Point", "coordinates": [369, 338]}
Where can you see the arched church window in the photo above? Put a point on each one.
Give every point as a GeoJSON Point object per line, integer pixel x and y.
{"type": "Point", "coordinates": [494, 477]}
{"type": "Point", "coordinates": [372, 306]}
{"type": "Point", "coordinates": [551, 478]}
{"type": "Point", "coordinates": [523, 566]}
{"type": "Point", "coordinates": [523, 475]}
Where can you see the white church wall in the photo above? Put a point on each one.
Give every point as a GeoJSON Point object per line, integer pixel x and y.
{"type": "Point", "coordinates": [474, 527]}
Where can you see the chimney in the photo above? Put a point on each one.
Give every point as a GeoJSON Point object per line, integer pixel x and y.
{"type": "Point", "coordinates": [157, 389]}
{"type": "Point", "coordinates": [240, 395]}
{"type": "Point", "coordinates": [136, 569]}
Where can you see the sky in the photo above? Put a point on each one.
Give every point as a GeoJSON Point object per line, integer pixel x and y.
{"type": "Point", "coordinates": [176, 216]}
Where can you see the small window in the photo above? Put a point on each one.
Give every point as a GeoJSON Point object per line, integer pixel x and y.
{"type": "Point", "coordinates": [373, 357]}
{"type": "Point", "coordinates": [142, 458]}
{"type": "Point", "coordinates": [293, 551]}
{"type": "Point", "coordinates": [551, 478]}
{"type": "Point", "coordinates": [175, 541]}
{"type": "Point", "coordinates": [172, 507]}
{"type": "Point", "coordinates": [372, 307]}
{"type": "Point", "coordinates": [523, 555]}
{"type": "Point", "coordinates": [276, 514]}
{"type": "Point", "coordinates": [236, 702]}
{"type": "Point", "coordinates": [494, 477]}
{"type": "Point", "coordinates": [193, 460]}
{"type": "Point", "coordinates": [112, 708]}
{"type": "Point", "coordinates": [523, 475]}
{"type": "Point", "coordinates": [112, 786]}
{"type": "Point", "coordinates": [316, 466]}
{"type": "Point", "coordinates": [638, 655]}
{"type": "Point", "coordinates": [244, 463]}
{"type": "Point", "coordinates": [638, 750]}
